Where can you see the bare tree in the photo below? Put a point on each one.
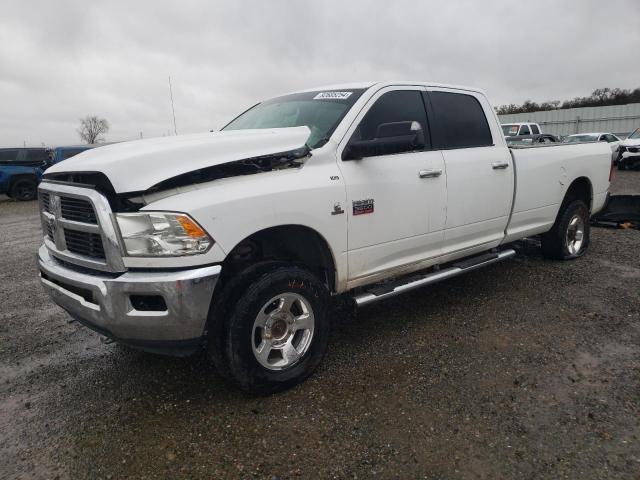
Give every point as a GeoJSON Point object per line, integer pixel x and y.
{"type": "Point", "coordinates": [91, 127]}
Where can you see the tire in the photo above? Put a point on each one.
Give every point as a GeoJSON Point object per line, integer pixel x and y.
{"type": "Point", "coordinates": [622, 166]}
{"type": "Point", "coordinates": [276, 331]}
{"type": "Point", "coordinates": [24, 189]}
{"type": "Point", "coordinates": [569, 237]}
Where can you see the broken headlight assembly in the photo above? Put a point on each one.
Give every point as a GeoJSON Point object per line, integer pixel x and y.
{"type": "Point", "coordinates": [161, 234]}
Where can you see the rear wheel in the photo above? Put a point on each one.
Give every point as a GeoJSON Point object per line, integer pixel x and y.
{"type": "Point", "coordinates": [277, 332]}
{"type": "Point", "coordinates": [24, 189]}
{"type": "Point", "coordinates": [569, 236]}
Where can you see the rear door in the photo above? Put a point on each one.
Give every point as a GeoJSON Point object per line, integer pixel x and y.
{"type": "Point", "coordinates": [480, 177]}
{"type": "Point", "coordinates": [395, 202]}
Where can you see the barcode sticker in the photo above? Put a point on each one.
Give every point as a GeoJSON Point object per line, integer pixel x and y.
{"type": "Point", "coordinates": [332, 96]}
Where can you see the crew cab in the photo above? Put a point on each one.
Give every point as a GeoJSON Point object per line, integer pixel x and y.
{"type": "Point", "coordinates": [520, 128]}
{"type": "Point", "coordinates": [240, 241]}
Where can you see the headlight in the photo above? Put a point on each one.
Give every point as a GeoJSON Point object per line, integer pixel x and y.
{"type": "Point", "coordinates": [160, 234]}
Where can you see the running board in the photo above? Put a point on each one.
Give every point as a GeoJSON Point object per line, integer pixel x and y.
{"type": "Point", "coordinates": [383, 292]}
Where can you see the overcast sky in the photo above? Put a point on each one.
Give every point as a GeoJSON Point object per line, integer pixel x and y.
{"type": "Point", "coordinates": [61, 60]}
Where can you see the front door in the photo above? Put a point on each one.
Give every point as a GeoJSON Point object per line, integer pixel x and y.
{"type": "Point", "coordinates": [395, 201]}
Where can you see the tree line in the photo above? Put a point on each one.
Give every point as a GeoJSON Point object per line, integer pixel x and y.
{"type": "Point", "coordinates": [599, 98]}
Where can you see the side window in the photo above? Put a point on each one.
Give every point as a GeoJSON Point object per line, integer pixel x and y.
{"type": "Point", "coordinates": [459, 121]}
{"type": "Point", "coordinates": [535, 130]}
{"type": "Point", "coordinates": [8, 155]}
{"type": "Point", "coordinates": [36, 156]}
{"type": "Point", "coordinates": [390, 121]}
{"type": "Point", "coordinates": [610, 138]}
{"type": "Point", "coordinates": [524, 130]}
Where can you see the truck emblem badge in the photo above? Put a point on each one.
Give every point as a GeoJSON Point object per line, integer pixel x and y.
{"type": "Point", "coordinates": [54, 204]}
{"type": "Point", "coordinates": [337, 209]}
{"type": "Point", "coordinates": [360, 207]}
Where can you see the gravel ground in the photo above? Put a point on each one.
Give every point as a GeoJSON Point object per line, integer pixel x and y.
{"type": "Point", "coordinates": [527, 369]}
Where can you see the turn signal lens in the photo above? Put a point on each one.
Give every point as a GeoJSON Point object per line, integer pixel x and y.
{"type": "Point", "coordinates": [190, 227]}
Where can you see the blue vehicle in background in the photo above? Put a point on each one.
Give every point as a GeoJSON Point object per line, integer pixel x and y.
{"type": "Point", "coordinates": [59, 154]}
{"type": "Point", "coordinates": [21, 169]}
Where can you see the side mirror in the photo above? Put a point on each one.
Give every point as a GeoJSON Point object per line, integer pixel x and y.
{"type": "Point", "coordinates": [393, 137]}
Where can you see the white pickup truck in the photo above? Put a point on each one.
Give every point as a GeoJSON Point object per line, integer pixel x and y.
{"type": "Point", "coordinates": [238, 240]}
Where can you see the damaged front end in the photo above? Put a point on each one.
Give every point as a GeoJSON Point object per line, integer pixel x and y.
{"type": "Point", "coordinates": [133, 201]}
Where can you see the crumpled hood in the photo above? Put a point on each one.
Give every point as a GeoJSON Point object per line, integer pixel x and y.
{"type": "Point", "coordinates": [138, 165]}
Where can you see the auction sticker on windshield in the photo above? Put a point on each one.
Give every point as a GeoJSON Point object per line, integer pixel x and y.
{"type": "Point", "coordinates": [332, 96]}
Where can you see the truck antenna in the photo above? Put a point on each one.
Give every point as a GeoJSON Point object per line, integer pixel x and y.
{"type": "Point", "coordinates": [175, 129]}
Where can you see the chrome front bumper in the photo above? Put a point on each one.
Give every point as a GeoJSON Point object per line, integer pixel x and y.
{"type": "Point", "coordinates": [103, 302]}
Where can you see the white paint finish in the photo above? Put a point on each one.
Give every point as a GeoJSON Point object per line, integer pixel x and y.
{"type": "Point", "coordinates": [409, 212]}
{"type": "Point", "coordinates": [407, 229]}
{"type": "Point", "coordinates": [479, 196]}
{"type": "Point", "coordinates": [139, 165]}
{"type": "Point", "coordinates": [543, 176]}
{"type": "Point", "coordinates": [232, 209]}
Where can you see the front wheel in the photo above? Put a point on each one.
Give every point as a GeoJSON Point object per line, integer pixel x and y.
{"type": "Point", "coordinates": [569, 236]}
{"type": "Point", "coordinates": [277, 333]}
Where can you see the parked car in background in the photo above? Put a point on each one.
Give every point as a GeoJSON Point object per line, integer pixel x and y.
{"type": "Point", "coordinates": [59, 154]}
{"type": "Point", "coordinates": [521, 128]}
{"type": "Point", "coordinates": [532, 139]}
{"type": "Point", "coordinates": [610, 138]}
{"type": "Point", "coordinates": [629, 151]}
{"type": "Point", "coordinates": [21, 170]}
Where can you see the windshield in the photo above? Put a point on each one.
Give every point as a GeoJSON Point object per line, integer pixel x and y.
{"type": "Point", "coordinates": [509, 130]}
{"type": "Point", "coordinates": [321, 111]}
{"type": "Point", "coordinates": [581, 138]}
{"type": "Point", "coordinates": [635, 134]}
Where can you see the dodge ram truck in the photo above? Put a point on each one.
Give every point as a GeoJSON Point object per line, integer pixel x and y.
{"type": "Point", "coordinates": [240, 241]}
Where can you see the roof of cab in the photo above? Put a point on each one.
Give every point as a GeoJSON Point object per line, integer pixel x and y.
{"type": "Point", "coordinates": [366, 85]}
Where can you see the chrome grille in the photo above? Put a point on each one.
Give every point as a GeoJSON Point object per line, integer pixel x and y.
{"type": "Point", "coordinates": [84, 243]}
{"type": "Point", "coordinates": [78, 210]}
{"type": "Point", "coordinates": [44, 198]}
{"type": "Point", "coordinates": [78, 227]}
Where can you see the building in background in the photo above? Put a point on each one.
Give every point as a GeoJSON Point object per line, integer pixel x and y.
{"type": "Point", "coordinates": [618, 119]}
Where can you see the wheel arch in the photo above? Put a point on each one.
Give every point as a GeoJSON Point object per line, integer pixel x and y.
{"type": "Point", "coordinates": [298, 244]}
{"type": "Point", "coordinates": [22, 176]}
{"type": "Point", "coordinates": [579, 189]}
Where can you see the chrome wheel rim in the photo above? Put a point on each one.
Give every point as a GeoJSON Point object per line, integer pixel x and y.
{"type": "Point", "coordinates": [575, 235]}
{"type": "Point", "coordinates": [282, 331]}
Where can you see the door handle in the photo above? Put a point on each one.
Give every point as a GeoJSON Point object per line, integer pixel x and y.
{"type": "Point", "coordinates": [429, 173]}
{"type": "Point", "coordinates": [500, 165]}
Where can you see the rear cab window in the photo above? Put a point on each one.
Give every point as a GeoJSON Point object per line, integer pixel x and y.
{"type": "Point", "coordinates": [458, 121]}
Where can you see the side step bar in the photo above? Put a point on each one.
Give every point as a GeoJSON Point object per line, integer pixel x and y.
{"type": "Point", "coordinates": [380, 293]}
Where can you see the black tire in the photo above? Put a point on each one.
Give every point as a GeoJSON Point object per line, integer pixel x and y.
{"type": "Point", "coordinates": [555, 243]}
{"type": "Point", "coordinates": [24, 189]}
{"type": "Point", "coordinates": [231, 330]}
{"type": "Point", "coordinates": [622, 166]}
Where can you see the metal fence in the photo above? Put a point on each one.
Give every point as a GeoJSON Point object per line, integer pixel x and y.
{"type": "Point", "coordinates": [618, 119]}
